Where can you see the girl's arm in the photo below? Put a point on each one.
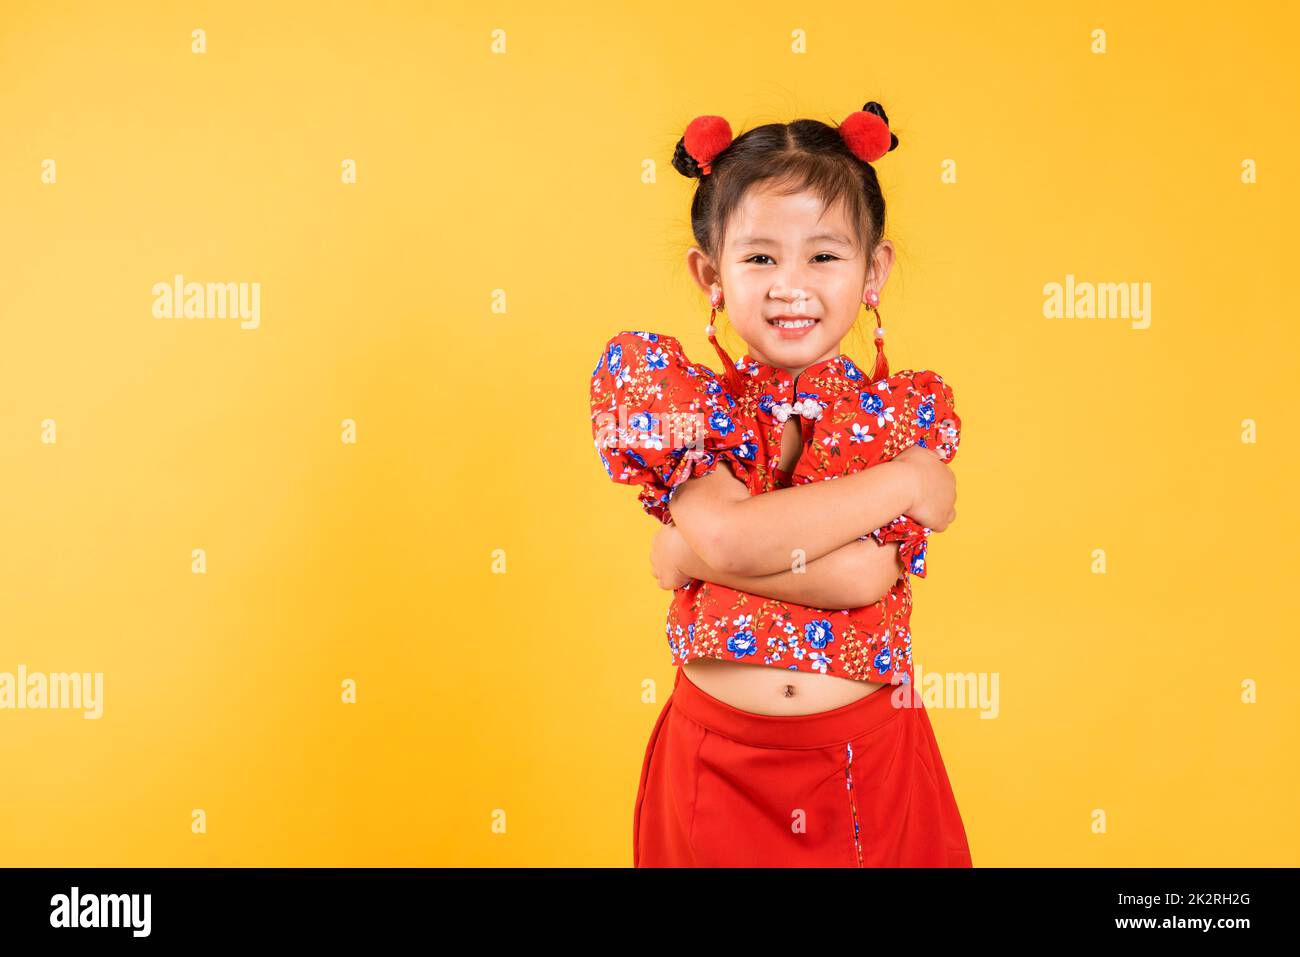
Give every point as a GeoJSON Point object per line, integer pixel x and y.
{"type": "Point", "coordinates": [739, 534]}
{"type": "Point", "coordinates": [856, 574]}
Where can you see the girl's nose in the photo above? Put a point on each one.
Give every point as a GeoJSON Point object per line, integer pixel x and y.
{"type": "Point", "coordinates": [791, 293]}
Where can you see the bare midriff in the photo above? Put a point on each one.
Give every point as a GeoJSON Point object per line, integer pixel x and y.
{"type": "Point", "coordinates": [764, 689]}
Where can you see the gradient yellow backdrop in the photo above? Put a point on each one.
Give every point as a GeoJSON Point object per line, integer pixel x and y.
{"type": "Point", "coordinates": [489, 177]}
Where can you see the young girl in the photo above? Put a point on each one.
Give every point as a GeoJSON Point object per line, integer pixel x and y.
{"type": "Point", "coordinates": [792, 600]}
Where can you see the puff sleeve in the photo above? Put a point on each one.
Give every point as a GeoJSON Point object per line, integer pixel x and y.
{"type": "Point", "coordinates": [931, 416]}
{"type": "Point", "coordinates": [659, 419]}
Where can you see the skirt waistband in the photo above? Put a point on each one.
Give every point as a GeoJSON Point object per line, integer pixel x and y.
{"type": "Point", "coordinates": [819, 730]}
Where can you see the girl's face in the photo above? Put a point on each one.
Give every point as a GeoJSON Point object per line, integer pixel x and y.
{"type": "Point", "coordinates": [784, 256]}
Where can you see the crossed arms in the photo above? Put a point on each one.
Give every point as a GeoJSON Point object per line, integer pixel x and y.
{"type": "Point", "coordinates": [800, 544]}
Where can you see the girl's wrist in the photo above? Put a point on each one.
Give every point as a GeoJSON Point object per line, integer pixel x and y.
{"type": "Point", "coordinates": [899, 487]}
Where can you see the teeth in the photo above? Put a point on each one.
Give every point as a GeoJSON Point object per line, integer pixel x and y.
{"type": "Point", "coordinates": [793, 323]}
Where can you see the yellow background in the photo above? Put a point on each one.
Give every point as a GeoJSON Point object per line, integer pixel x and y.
{"type": "Point", "coordinates": [522, 172]}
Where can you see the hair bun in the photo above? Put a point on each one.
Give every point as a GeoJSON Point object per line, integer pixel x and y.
{"type": "Point", "coordinates": [705, 138]}
{"type": "Point", "coordinates": [867, 133]}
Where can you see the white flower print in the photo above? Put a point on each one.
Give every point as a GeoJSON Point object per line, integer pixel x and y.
{"type": "Point", "coordinates": [820, 661]}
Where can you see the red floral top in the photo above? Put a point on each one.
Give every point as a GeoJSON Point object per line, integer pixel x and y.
{"type": "Point", "coordinates": [659, 419]}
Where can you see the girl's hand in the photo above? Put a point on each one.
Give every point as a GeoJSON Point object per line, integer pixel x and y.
{"type": "Point", "coordinates": [664, 563]}
{"type": "Point", "coordinates": [933, 488]}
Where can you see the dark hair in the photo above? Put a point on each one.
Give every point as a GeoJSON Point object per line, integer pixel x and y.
{"type": "Point", "coordinates": [805, 154]}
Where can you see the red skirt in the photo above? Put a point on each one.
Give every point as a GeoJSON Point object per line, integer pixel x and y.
{"type": "Point", "coordinates": [857, 786]}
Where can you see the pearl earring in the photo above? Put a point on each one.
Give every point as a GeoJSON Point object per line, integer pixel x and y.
{"type": "Point", "coordinates": [872, 299]}
{"type": "Point", "coordinates": [715, 300]}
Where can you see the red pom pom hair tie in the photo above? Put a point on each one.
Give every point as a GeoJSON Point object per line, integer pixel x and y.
{"type": "Point", "coordinates": [705, 138]}
{"type": "Point", "coordinates": [866, 135]}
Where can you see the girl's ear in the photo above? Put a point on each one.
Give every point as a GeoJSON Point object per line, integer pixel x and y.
{"type": "Point", "coordinates": [882, 261]}
{"type": "Point", "coordinates": [702, 269]}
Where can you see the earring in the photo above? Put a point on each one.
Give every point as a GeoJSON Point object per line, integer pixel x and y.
{"type": "Point", "coordinates": [728, 366]}
{"type": "Point", "coordinates": [715, 299]}
{"type": "Point", "coordinates": [871, 299]}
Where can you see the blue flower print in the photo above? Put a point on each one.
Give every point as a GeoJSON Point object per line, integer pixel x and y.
{"type": "Point", "coordinates": [644, 426]}
{"type": "Point", "coordinates": [850, 370]}
{"type": "Point", "coordinates": [818, 633]}
{"type": "Point", "coordinates": [615, 359]}
{"type": "Point", "coordinates": [641, 421]}
{"type": "Point", "coordinates": [918, 560]}
{"type": "Point", "coordinates": [677, 645]}
{"type": "Point", "coordinates": [747, 451]}
{"type": "Point", "coordinates": [648, 336]}
{"type": "Point", "coordinates": [742, 643]}
{"type": "Point", "coordinates": [599, 362]}
{"type": "Point", "coordinates": [656, 359]}
{"type": "Point", "coordinates": [882, 659]}
{"type": "Point", "coordinates": [820, 661]}
{"type": "Point", "coordinates": [925, 414]}
{"type": "Point", "coordinates": [712, 387]}
{"type": "Point", "coordinates": [637, 459]}
{"type": "Point", "coordinates": [765, 403]}
{"type": "Point", "coordinates": [690, 633]}
{"type": "Point", "coordinates": [721, 423]}
{"type": "Point", "coordinates": [872, 404]}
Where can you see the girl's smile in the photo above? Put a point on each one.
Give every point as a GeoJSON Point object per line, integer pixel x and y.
{"type": "Point", "coordinates": [792, 327]}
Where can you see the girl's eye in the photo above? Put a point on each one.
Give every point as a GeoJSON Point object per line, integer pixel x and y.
{"type": "Point", "coordinates": [765, 256]}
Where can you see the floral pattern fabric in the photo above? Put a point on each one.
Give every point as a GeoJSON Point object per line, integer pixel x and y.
{"type": "Point", "coordinates": [659, 419]}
